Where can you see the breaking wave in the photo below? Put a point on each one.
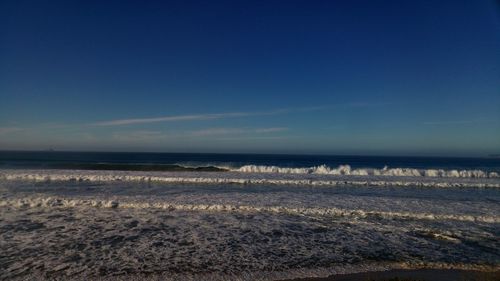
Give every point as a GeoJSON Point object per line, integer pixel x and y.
{"type": "Point", "coordinates": [346, 170]}
{"type": "Point", "coordinates": [246, 176]}
{"type": "Point", "coordinates": [342, 170]}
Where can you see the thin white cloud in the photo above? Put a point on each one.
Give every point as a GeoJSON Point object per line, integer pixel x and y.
{"type": "Point", "coordinates": [119, 122]}
{"type": "Point", "coordinates": [247, 138]}
{"type": "Point", "coordinates": [235, 131]}
{"type": "Point", "coordinates": [271, 130]}
{"type": "Point", "coordinates": [215, 131]}
{"type": "Point", "coordinates": [188, 117]}
{"type": "Point", "coordinates": [144, 136]}
{"type": "Point", "coordinates": [459, 122]}
{"type": "Point", "coordinates": [194, 117]}
{"type": "Point", "coordinates": [139, 136]}
{"type": "Point", "coordinates": [7, 130]}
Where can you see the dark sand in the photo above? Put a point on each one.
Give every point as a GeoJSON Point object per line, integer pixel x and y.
{"type": "Point", "coordinates": [413, 275]}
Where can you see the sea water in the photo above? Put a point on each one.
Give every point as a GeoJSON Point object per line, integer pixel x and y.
{"type": "Point", "coordinates": [247, 217]}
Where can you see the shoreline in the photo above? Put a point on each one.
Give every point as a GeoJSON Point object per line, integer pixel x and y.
{"type": "Point", "coordinates": [360, 272]}
{"type": "Point", "coordinates": [426, 274]}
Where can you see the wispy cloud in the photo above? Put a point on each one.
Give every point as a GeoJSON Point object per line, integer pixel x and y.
{"type": "Point", "coordinates": [215, 131]}
{"type": "Point", "coordinates": [173, 118]}
{"type": "Point", "coordinates": [271, 130]}
{"type": "Point", "coordinates": [144, 135]}
{"type": "Point", "coordinates": [136, 136]}
{"type": "Point", "coordinates": [235, 131]}
{"type": "Point", "coordinates": [252, 138]}
{"type": "Point", "coordinates": [194, 117]}
{"type": "Point", "coordinates": [7, 130]}
{"type": "Point", "coordinates": [459, 122]}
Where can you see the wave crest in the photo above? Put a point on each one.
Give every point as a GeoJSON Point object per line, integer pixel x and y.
{"type": "Point", "coordinates": [346, 170]}
{"type": "Point", "coordinates": [245, 177]}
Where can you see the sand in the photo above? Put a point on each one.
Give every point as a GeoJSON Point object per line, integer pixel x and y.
{"type": "Point", "coordinates": [413, 275]}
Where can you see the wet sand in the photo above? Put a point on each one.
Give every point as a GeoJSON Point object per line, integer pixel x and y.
{"type": "Point", "coordinates": [413, 275]}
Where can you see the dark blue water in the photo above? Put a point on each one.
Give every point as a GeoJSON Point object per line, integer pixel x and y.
{"type": "Point", "coordinates": [174, 161]}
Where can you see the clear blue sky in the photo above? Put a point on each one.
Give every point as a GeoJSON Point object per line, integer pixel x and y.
{"type": "Point", "coordinates": [336, 77]}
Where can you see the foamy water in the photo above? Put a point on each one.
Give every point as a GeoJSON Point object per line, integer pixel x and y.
{"type": "Point", "coordinates": [386, 171]}
{"type": "Point", "coordinates": [279, 177]}
{"type": "Point", "coordinates": [241, 225]}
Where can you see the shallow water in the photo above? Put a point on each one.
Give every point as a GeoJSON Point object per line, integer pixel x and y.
{"type": "Point", "coordinates": [102, 228]}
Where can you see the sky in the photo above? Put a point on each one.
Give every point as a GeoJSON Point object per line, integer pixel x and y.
{"type": "Point", "coordinates": [319, 77]}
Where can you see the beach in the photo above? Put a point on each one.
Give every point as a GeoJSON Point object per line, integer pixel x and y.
{"type": "Point", "coordinates": [413, 274]}
{"type": "Point", "coordinates": [249, 140]}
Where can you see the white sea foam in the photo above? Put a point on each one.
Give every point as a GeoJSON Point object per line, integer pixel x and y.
{"type": "Point", "coordinates": [89, 237]}
{"type": "Point", "coordinates": [73, 226]}
{"type": "Point", "coordinates": [347, 170]}
{"type": "Point", "coordinates": [62, 202]}
{"type": "Point", "coordinates": [249, 176]}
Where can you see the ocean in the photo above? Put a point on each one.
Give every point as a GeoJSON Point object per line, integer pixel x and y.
{"type": "Point", "coordinates": [179, 216]}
